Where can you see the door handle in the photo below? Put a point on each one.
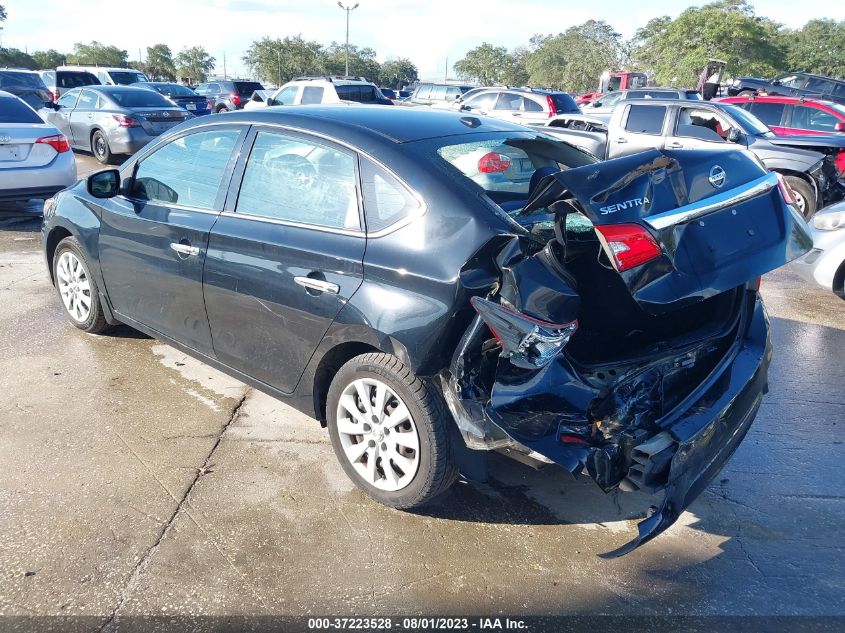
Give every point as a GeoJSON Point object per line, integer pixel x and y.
{"type": "Point", "coordinates": [185, 249]}
{"type": "Point", "coordinates": [319, 285]}
{"type": "Point", "coordinates": [621, 140]}
{"type": "Point", "coordinates": [517, 113]}
{"type": "Point", "coordinates": [674, 145]}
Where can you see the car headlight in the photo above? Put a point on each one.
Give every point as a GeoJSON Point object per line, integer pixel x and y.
{"type": "Point", "coordinates": [829, 221]}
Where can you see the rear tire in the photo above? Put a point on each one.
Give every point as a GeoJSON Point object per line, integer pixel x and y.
{"type": "Point", "coordinates": [804, 194]}
{"type": "Point", "coordinates": [401, 464]}
{"type": "Point", "coordinates": [77, 288]}
{"type": "Point", "coordinates": [221, 109]}
{"type": "Point", "coordinates": [100, 148]}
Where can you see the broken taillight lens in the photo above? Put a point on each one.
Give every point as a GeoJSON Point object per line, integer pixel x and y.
{"type": "Point", "coordinates": [627, 245]}
{"type": "Point", "coordinates": [785, 190]}
{"type": "Point", "coordinates": [493, 163]}
{"type": "Point", "coordinates": [528, 342]}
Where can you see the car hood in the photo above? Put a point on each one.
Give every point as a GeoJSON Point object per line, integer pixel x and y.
{"type": "Point", "coordinates": [810, 141]}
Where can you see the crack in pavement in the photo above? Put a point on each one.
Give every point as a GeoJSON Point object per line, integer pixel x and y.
{"type": "Point", "coordinates": [143, 562]}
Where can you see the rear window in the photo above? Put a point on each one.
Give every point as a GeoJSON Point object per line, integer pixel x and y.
{"type": "Point", "coordinates": [73, 79]}
{"type": "Point", "coordinates": [312, 94]}
{"type": "Point", "coordinates": [173, 90]}
{"type": "Point", "coordinates": [564, 103]}
{"type": "Point", "coordinates": [362, 93]}
{"type": "Point", "coordinates": [15, 111]}
{"type": "Point", "coordinates": [645, 119]}
{"type": "Point", "coordinates": [247, 87]}
{"type": "Point", "coordinates": [138, 98]}
{"type": "Point", "coordinates": [506, 163]}
{"type": "Point", "coordinates": [12, 79]}
{"type": "Point", "coordinates": [126, 77]}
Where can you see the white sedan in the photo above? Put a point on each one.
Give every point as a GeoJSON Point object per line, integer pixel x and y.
{"type": "Point", "coordinates": [825, 264]}
{"type": "Point", "coordinates": [35, 158]}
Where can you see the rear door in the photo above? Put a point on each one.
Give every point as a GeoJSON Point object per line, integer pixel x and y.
{"type": "Point", "coordinates": [508, 106]}
{"type": "Point", "coordinates": [285, 255]}
{"type": "Point", "coordinates": [82, 116]}
{"type": "Point", "coordinates": [642, 129]}
{"type": "Point", "coordinates": [807, 119]}
{"type": "Point", "coordinates": [703, 221]}
{"type": "Point", "coordinates": [153, 240]}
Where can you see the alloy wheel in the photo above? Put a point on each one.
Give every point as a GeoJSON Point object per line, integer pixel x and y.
{"type": "Point", "coordinates": [74, 287]}
{"type": "Point", "coordinates": [378, 434]}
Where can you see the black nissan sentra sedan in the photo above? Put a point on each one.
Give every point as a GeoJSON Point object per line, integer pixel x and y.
{"type": "Point", "coordinates": [430, 285]}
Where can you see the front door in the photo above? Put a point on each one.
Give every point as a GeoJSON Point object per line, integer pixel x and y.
{"type": "Point", "coordinates": [700, 128]}
{"type": "Point", "coordinates": [81, 118]}
{"type": "Point", "coordinates": [60, 117]}
{"type": "Point", "coordinates": [285, 256]}
{"type": "Point", "coordinates": [153, 240]}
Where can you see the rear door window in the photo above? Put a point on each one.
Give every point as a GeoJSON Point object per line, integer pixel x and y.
{"type": "Point", "coordinates": [644, 119]}
{"type": "Point", "coordinates": [292, 179]}
{"type": "Point", "coordinates": [768, 113]}
{"type": "Point", "coordinates": [508, 101]}
{"type": "Point", "coordinates": [531, 106]}
{"type": "Point", "coordinates": [438, 93]}
{"type": "Point", "coordinates": [68, 79]}
{"type": "Point", "coordinates": [423, 92]}
{"type": "Point", "coordinates": [87, 101]}
{"type": "Point", "coordinates": [821, 86]}
{"type": "Point", "coordinates": [187, 171]}
{"type": "Point", "coordinates": [312, 94]}
{"type": "Point", "coordinates": [808, 118]}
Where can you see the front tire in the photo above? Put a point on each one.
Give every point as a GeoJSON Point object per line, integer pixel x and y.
{"type": "Point", "coordinates": [77, 288]}
{"type": "Point", "coordinates": [100, 148]}
{"type": "Point", "coordinates": [804, 195]}
{"type": "Point", "coordinates": [391, 431]}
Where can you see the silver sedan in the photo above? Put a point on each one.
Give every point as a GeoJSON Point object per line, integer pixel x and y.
{"type": "Point", "coordinates": [35, 158]}
{"type": "Point", "coordinates": [112, 120]}
{"type": "Point", "coordinates": [825, 264]}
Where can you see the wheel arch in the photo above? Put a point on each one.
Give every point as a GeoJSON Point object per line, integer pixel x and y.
{"type": "Point", "coordinates": [839, 281]}
{"type": "Point", "coordinates": [329, 365]}
{"type": "Point", "coordinates": [56, 235]}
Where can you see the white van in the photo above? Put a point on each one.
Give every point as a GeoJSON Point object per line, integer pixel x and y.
{"type": "Point", "coordinates": [111, 76]}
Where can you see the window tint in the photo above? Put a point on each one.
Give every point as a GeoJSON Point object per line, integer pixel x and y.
{"type": "Point", "coordinates": [791, 81]}
{"type": "Point", "coordinates": [138, 98]}
{"type": "Point", "coordinates": [69, 79]}
{"type": "Point", "coordinates": [16, 111]}
{"type": "Point", "coordinates": [564, 103]}
{"type": "Point", "coordinates": [286, 96]}
{"type": "Point", "coordinates": [483, 102]}
{"type": "Point", "coordinates": [822, 86]}
{"type": "Point", "coordinates": [807, 118]}
{"type": "Point", "coordinates": [702, 124]}
{"type": "Point", "coordinates": [20, 79]}
{"type": "Point", "coordinates": [87, 100]}
{"type": "Point", "coordinates": [295, 180]}
{"type": "Point", "coordinates": [508, 101]}
{"type": "Point", "coordinates": [68, 99]}
{"type": "Point", "coordinates": [645, 119]}
{"type": "Point", "coordinates": [839, 89]}
{"type": "Point", "coordinates": [386, 200]}
{"type": "Point", "coordinates": [126, 77]}
{"type": "Point", "coordinates": [768, 113]}
{"type": "Point", "coordinates": [312, 94]}
{"type": "Point", "coordinates": [187, 171]}
{"type": "Point", "coordinates": [453, 92]}
{"type": "Point", "coordinates": [246, 88]}
{"type": "Point", "coordinates": [531, 106]}
{"type": "Point", "coordinates": [361, 93]}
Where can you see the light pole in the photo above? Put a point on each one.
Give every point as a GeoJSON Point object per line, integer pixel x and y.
{"type": "Point", "coordinates": [348, 10]}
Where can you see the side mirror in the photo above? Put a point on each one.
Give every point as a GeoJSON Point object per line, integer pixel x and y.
{"type": "Point", "coordinates": [734, 135]}
{"type": "Point", "coordinates": [775, 82]}
{"type": "Point", "coordinates": [271, 101]}
{"type": "Point", "coordinates": [104, 184]}
{"type": "Point", "coordinates": [465, 107]}
{"type": "Point", "coordinates": [839, 127]}
{"type": "Point", "coordinates": [596, 104]}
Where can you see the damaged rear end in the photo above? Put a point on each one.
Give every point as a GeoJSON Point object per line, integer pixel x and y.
{"type": "Point", "coordinates": [625, 338]}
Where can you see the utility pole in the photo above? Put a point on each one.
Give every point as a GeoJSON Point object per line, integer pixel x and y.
{"type": "Point", "coordinates": [225, 76]}
{"type": "Point", "coordinates": [446, 73]}
{"type": "Point", "coordinates": [348, 10]}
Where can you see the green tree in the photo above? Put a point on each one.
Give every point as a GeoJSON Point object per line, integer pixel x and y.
{"type": "Point", "coordinates": [14, 58]}
{"type": "Point", "coordinates": [48, 59]}
{"type": "Point", "coordinates": [397, 73]}
{"type": "Point", "coordinates": [818, 47]}
{"type": "Point", "coordinates": [677, 50]}
{"type": "Point", "coordinates": [2, 14]}
{"type": "Point", "coordinates": [279, 60]}
{"type": "Point", "coordinates": [485, 64]}
{"type": "Point", "coordinates": [96, 53]}
{"type": "Point", "coordinates": [160, 65]}
{"type": "Point", "coordinates": [362, 61]}
{"type": "Point", "coordinates": [193, 64]}
{"type": "Point", "coordinates": [574, 60]}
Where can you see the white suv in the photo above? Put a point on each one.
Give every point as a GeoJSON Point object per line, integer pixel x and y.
{"type": "Point", "coordinates": [310, 90]}
{"type": "Point", "coordinates": [520, 105]}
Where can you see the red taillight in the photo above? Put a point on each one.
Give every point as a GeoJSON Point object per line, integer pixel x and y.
{"type": "Point", "coordinates": [757, 282]}
{"type": "Point", "coordinates": [58, 142]}
{"type": "Point", "coordinates": [493, 163]}
{"type": "Point", "coordinates": [785, 190]}
{"type": "Point", "coordinates": [572, 439]}
{"type": "Point", "coordinates": [627, 245]}
{"type": "Point", "coordinates": [236, 98]}
{"type": "Point", "coordinates": [209, 103]}
{"type": "Point", "coordinates": [552, 108]}
{"type": "Point", "coordinates": [125, 121]}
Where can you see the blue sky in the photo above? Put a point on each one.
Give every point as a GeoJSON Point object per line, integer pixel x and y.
{"type": "Point", "coordinates": [426, 31]}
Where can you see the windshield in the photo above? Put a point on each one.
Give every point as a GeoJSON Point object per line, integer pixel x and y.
{"type": "Point", "coordinates": [750, 123]}
{"type": "Point", "coordinates": [126, 77]}
{"type": "Point", "coordinates": [174, 90]}
{"type": "Point", "coordinates": [138, 98]}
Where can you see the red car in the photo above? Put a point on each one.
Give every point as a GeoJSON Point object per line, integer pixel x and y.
{"type": "Point", "coordinates": [792, 116]}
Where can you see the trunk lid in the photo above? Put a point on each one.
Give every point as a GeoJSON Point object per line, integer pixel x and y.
{"type": "Point", "coordinates": [718, 218]}
{"type": "Point", "coordinates": [18, 147]}
{"type": "Point", "coordinates": [156, 121]}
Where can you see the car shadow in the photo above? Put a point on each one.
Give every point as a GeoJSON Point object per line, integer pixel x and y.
{"type": "Point", "coordinates": [21, 217]}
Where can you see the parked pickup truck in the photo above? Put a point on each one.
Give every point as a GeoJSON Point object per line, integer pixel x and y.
{"type": "Point", "coordinates": [807, 163]}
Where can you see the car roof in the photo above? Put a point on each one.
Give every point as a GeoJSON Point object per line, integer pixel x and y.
{"type": "Point", "coordinates": [397, 124]}
{"type": "Point", "coordinates": [778, 99]}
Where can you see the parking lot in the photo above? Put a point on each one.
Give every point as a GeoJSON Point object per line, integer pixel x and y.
{"type": "Point", "coordinates": [136, 480]}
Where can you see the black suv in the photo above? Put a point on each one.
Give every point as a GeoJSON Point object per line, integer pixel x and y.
{"type": "Point", "coordinates": [227, 95]}
{"type": "Point", "coordinates": [791, 85]}
{"type": "Point", "coordinates": [26, 85]}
